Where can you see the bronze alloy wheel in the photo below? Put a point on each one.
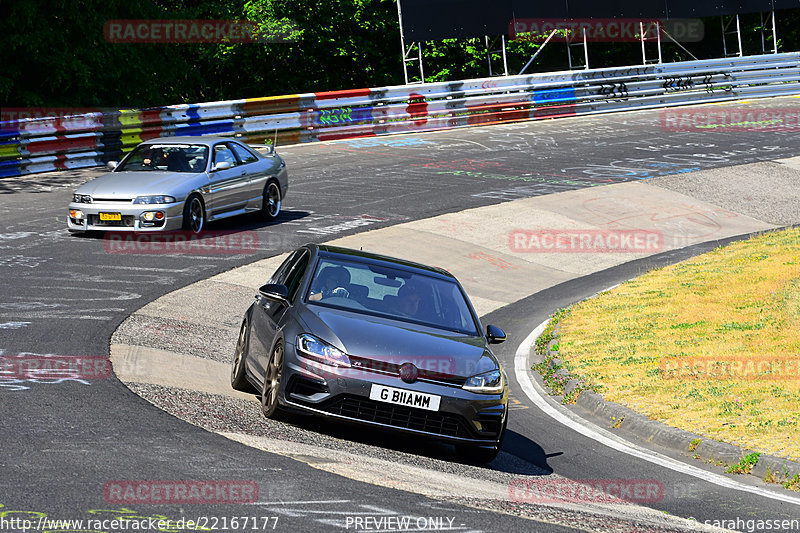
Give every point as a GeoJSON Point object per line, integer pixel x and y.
{"type": "Point", "coordinates": [238, 374]}
{"type": "Point", "coordinates": [272, 382]}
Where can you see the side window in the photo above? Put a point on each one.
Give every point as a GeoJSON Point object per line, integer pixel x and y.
{"type": "Point", "coordinates": [283, 271]}
{"type": "Point", "coordinates": [296, 276]}
{"type": "Point", "coordinates": [245, 155]}
{"type": "Point", "coordinates": [223, 153]}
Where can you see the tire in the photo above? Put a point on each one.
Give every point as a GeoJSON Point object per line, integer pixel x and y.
{"type": "Point", "coordinates": [272, 382]}
{"type": "Point", "coordinates": [271, 203]}
{"type": "Point", "coordinates": [480, 454]}
{"type": "Point", "coordinates": [239, 368]}
{"type": "Point", "coordinates": [194, 214]}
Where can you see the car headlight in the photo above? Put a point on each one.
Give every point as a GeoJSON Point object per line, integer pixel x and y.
{"type": "Point", "coordinates": [81, 198]}
{"type": "Point", "coordinates": [159, 199]}
{"type": "Point", "coordinates": [311, 347]}
{"type": "Point", "coordinates": [491, 382]}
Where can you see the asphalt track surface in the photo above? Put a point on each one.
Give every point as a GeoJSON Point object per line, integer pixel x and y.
{"type": "Point", "coordinates": [65, 295]}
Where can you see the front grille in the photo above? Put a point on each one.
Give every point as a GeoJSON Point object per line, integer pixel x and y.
{"type": "Point", "coordinates": [393, 369]}
{"type": "Point", "coordinates": [127, 221]}
{"type": "Point", "coordinates": [112, 200]}
{"type": "Point", "coordinates": [398, 416]}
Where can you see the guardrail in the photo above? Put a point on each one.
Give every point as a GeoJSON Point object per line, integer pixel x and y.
{"type": "Point", "coordinates": [83, 140]}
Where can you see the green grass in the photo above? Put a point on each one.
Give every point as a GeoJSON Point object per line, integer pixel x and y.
{"type": "Point", "coordinates": [737, 304]}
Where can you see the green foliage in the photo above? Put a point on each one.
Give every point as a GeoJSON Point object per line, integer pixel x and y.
{"type": "Point", "coordinates": [54, 52]}
{"type": "Point", "coordinates": [745, 465]}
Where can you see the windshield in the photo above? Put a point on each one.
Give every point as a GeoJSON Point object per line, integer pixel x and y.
{"type": "Point", "coordinates": [166, 157]}
{"type": "Point", "coordinates": [385, 291]}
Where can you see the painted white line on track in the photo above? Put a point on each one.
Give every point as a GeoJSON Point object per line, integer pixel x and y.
{"type": "Point", "coordinates": [299, 503]}
{"type": "Point", "coordinates": [549, 407]}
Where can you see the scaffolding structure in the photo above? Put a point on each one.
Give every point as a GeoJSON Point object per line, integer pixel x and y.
{"type": "Point", "coordinates": [578, 48]}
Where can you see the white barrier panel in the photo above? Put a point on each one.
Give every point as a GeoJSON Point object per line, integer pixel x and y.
{"type": "Point", "coordinates": [37, 145]}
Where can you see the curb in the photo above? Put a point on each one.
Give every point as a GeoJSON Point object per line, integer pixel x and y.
{"type": "Point", "coordinates": [611, 415]}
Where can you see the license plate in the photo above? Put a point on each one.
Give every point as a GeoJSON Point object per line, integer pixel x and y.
{"type": "Point", "coordinates": [409, 398]}
{"type": "Point", "coordinates": [110, 216]}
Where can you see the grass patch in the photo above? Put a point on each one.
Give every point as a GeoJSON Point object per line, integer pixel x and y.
{"type": "Point", "coordinates": [555, 373]}
{"type": "Point", "coordinates": [745, 465]}
{"type": "Point", "coordinates": [791, 483]}
{"type": "Point", "coordinates": [737, 303]}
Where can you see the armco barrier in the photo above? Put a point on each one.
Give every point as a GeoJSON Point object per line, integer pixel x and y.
{"type": "Point", "coordinates": [43, 144]}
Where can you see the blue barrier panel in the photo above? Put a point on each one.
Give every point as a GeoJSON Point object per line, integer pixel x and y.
{"type": "Point", "coordinates": [9, 169]}
{"type": "Point", "coordinates": [561, 95]}
{"type": "Point", "coordinates": [208, 128]}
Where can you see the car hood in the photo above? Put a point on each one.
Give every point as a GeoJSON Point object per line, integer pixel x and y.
{"type": "Point", "coordinates": [131, 184]}
{"type": "Point", "coordinates": [395, 342]}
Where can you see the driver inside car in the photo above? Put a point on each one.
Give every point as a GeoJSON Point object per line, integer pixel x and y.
{"type": "Point", "coordinates": [408, 300]}
{"type": "Point", "coordinates": [155, 158]}
{"type": "Point", "coordinates": [332, 281]}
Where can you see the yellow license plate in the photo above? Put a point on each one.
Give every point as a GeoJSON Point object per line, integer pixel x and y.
{"type": "Point", "coordinates": [110, 216]}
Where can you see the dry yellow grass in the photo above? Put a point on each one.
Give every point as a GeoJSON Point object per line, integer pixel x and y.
{"type": "Point", "coordinates": [740, 303]}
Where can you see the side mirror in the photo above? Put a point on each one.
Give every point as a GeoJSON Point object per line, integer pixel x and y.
{"type": "Point", "coordinates": [495, 335]}
{"type": "Point", "coordinates": [112, 165]}
{"type": "Point", "coordinates": [274, 291]}
{"type": "Point", "coordinates": [222, 165]}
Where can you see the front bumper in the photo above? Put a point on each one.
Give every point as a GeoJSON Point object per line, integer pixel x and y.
{"type": "Point", "coordinates": [463, 417]}
{"type": "Point", "coordinates": [131, 217]}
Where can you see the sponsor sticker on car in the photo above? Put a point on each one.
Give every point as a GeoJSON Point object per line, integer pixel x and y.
{"type": "Point", "coordinates": [408, 398]}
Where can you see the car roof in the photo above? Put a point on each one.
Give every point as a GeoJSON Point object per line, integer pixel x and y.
{"type": "Point", "coordinates": [206, 140]}
{"type": "Point", "coordinates": [327, 250]}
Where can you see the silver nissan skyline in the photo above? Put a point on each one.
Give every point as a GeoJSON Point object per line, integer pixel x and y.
{"type": "Point", "coordinates": [180, 183]}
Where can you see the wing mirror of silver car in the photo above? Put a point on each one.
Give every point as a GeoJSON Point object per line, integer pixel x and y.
{"type": "Point", "coordinates": [495, 335]}
{"type": "Point", "coordinates": [222, 165]}
{"type": "Point", "coordinates": [112, 165]}
{"type": "Point", "coordinates": [274, 291]}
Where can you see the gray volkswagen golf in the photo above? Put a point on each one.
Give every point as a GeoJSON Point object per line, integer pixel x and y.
{"type": "Point", "coordinates": [374, 340]}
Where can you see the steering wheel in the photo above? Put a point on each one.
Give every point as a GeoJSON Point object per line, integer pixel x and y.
{"type": "Point", "coordinates": [341, 292]}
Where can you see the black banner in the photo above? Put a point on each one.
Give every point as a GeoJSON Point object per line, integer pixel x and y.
{"type": "Point", "coordinates": [434, 20]}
